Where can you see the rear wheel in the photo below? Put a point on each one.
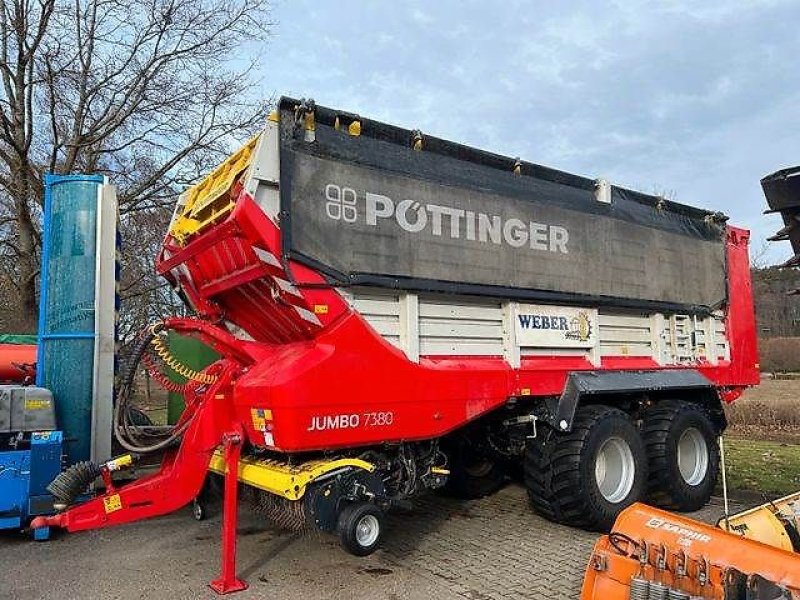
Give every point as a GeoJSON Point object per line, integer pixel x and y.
{"type": "Point", "coordinates": [683, 454]}
{"type": "Point", "coordinates": [475, 471]}
{"type": "Point", "coordinates": [586, 477]}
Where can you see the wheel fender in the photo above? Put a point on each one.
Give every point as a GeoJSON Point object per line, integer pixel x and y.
{"type": "Point", "coordinates": [324, 498]}
{"type": "Point", "coordinates": [581, 386]}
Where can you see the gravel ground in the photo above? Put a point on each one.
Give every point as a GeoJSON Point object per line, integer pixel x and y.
{"type": "Point", "coordinates": [444, 549]}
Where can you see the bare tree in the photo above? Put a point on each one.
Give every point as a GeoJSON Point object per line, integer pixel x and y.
{"type": "Point", "coordinates": [150, 92]}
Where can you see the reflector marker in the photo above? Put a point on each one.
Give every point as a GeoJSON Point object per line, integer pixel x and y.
{"type": "Point", "coordinates": [182, 272]}
{"type": "Point", "coordinates": [287, 287]}
{"type": "Point", "coordinates": [238, 332]}
{"type": "Point", "coordinates": [266, 257]}
{"type": "Point", "coordinates": [308, 316]}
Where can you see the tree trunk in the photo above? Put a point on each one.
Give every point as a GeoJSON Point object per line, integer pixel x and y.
{"type": "Point", "coordinates": [27, 247]}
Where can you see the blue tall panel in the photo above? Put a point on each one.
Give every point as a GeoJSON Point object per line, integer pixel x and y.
{"type": "Point", "coordinates": [66, 311]}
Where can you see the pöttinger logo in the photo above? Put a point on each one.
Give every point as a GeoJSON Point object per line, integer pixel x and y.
{"type": "Point", "coordinates": [444, 221]}
{"type": "Point", "coordinates": [341, 203]}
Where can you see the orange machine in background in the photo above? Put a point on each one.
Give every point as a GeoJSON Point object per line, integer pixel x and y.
{"type": "Point", "coordinates": [17, 363]}
{"type": "Point", "coordinates": [653, 554]}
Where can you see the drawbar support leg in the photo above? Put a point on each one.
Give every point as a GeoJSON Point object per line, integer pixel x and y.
{"type": "Point", "coordinates": [227, 582]}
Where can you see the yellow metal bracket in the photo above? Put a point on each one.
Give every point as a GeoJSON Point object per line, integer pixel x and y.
{"type": "Point", "coordinates": [211, 199]}
{"type": "Point", "coordinates": [763, 524]}
{"type": "Point", "coordinates": [282, 479]}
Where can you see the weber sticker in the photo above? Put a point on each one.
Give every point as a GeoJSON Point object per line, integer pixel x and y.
{"type": "Point", "coordinates": [545, 326]}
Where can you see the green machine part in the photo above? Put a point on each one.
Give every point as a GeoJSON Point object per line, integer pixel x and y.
{"type": "Point", "coordinates": [192, 353]}
{"type": "Point", "coordinates": [18, 339]}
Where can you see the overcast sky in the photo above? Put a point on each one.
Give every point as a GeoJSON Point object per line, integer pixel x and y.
{"type": "Point", "coordinates": [694, 100]}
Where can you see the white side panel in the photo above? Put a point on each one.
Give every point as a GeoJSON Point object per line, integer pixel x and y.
{"type": "Point", "coordinates": [657, 340]}
{"type": "Point", "coordinates": [460, 325]}
{"type": "Point", "coordinates": [263, 176]}
{"type": "Point", "coordinates": [105, 318]}
{"type": "Point", "coordinates": [626, 334]}
{"type": "Point", "coordinates": [435, 325]}
{"type": "Point", "coordinates": [381, 310]}
{"type": "Point", "coordinates": [409, 325]}
{"type": "Point", "coordinates": [511, 349]}
{"type": "Point", "coordinates": [721, 345]}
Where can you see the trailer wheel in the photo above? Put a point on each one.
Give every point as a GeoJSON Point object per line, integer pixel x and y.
{"type": "Point", "coordinates": [475, 471]}
{"type": "Point", "coordinates": [360, 528]}
{"type": "Point", "coordinates": [683, 455]}
{"type": "Point", "coordinates": [586, 477]}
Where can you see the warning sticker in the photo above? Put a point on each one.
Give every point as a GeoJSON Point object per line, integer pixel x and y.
{"type": "Point", "coordinates": [37, 403]}
{"type": "Point", "coordinates": [257, 415]}
{"type": "Point", "coordinates": [112, 503]}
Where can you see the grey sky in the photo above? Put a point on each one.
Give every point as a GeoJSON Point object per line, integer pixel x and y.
{"type": "Point", "coordinates": [693, 100]}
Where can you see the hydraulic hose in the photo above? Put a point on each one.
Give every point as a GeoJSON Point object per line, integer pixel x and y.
{"type": "Point", "coordinates": [72, 482]}
{"type": "Point", "coordinates": [139, 438]}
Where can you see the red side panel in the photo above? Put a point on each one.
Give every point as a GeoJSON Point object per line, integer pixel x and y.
{"type": "Point", "coordinates": [740, 320]}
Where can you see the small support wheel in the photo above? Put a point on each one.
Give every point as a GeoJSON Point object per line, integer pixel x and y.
{"type": "Point", "coordinates": [360, 528]}
{"type": "Point", "coordinates": [198, 510]}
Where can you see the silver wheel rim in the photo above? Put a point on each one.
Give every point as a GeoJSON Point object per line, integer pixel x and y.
{"type": "Point", "coordinates": [692, 456]}
{"type": "Point", "coordinates": [367, 530]}
{"type": "Point", "coordinates": [615, 470]}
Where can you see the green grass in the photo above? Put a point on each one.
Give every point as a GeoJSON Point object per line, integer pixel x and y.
{"type": "Point", "coordinates": [772, 468]}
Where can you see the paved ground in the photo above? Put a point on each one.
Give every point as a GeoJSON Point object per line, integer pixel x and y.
{"type": "Point", "coordinates": [445, 549]}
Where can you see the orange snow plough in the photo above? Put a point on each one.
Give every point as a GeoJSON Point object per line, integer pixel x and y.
{"type": "Point", "coordinates": [652, 554]}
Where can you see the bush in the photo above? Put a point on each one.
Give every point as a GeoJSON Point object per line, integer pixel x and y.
{"type": "Point", "coordinates": [780, 355]}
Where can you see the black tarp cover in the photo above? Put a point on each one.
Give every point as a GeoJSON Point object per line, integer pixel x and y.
{"type": "Point", "coordinates": [782, 190]}
{"type": "Point", "coordinates": [370, 209]}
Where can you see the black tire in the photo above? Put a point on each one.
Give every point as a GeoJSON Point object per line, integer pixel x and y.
{"type": "Point", "coordinates": [351, 521]}
{"type": "Point", "coordinates": [475, 471]}
{"type": "Point", "coordinates": [663, 426]}
{"type": "Point", "coordinates": [560, 469]}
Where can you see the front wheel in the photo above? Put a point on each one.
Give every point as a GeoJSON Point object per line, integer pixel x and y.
{"type": "Point", "coordinates": [683, 454]}
{"type": "Point", "coordinates": [586, 477]}
{"type": "Point", "coordinates": [360, 528]}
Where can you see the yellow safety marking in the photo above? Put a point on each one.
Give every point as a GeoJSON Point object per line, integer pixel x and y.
{"type": "Point", "coordinates": [280, 478]}
{"type": "Point", "coordinates": [112, 503]}
{"type": "Point", "coordinates": [36, 403]}
{"type": "Point", "coordinates": [210, 199]}
{"type": "Point", "coordinates": [320, 309]}
{"type": "Point", "coordinates": [116, 464]}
